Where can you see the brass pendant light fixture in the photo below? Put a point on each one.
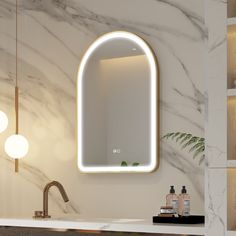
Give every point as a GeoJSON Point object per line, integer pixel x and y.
{"type": "Point", "coordinates": [16, 146]}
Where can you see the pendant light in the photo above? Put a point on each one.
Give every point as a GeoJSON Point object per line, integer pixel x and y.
{"type": "Point", "coordinates": [16, 146]}
{"type": "Point", "coordinates": [3, 121]}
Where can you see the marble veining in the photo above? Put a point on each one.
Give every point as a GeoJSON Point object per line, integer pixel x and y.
{"type": "Point", "coordinates": [76, 14]}
{"type": "Point", "coordinates": [195, 19]}
{"type": "Point", "coordinates": [184, 164]}
{"type": "Point", "coordinates": [171, 109]}
{"type": "Point", "coordinates": [216, 198]}
{"type": "Point", "coordinates": [38, 178]}
{"type": "Point", "coordinates": [216, 120]}
{"type": "Point", "coordinates": [53, 35]}
{"type": "Point", "coordinates": [217, 44]}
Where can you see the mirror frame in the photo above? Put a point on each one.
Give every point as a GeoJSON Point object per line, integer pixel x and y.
{"type": "Point", "coordinates": [155, 106]}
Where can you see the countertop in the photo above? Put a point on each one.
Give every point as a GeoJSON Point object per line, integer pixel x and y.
{"type": "Point", "coordinates": [103, 224]}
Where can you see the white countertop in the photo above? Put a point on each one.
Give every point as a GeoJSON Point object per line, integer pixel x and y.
{"type": "Point", "coordinates": [120, 225]}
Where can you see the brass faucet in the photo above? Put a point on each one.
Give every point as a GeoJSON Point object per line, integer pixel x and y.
{"type": "Point", "coordinates": [44, 213]}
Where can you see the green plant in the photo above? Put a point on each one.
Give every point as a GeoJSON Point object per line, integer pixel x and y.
{"type": "Point", "coordinates": [195, 144]}
{"type": "Point", "coordinates": [124, 163]}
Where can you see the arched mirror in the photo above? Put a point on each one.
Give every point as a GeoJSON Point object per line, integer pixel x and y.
{"type": "Point", "coordinates": [117, 107]}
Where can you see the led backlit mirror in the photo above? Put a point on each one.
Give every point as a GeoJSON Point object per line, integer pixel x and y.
{"type": "Point", "coordinates": [118, 106]}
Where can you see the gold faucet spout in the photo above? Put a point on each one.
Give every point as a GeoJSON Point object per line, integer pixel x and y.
{"type": "Point", "coordinates": [45, 196]}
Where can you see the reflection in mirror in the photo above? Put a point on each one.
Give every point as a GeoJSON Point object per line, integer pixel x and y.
{"type": "Point", "coordinates": [117, 106]}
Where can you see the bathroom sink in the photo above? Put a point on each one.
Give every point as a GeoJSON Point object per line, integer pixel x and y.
{"type": "Point", "coordinates": [69, 217]}
{"type": "Point", "coordinates": [79, 218]}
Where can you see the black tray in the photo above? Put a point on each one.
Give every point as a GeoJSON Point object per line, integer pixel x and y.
{"type": "Point", "coordinates": [193, 219]}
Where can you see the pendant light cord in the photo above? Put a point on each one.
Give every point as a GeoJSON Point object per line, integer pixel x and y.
{"type": "Point", "coordinates": [16, 43]}
{"type": "Point", "coordinates": [16, 86]}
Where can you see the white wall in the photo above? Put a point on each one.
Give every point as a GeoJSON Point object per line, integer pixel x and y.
{"type": "Point", "coordinates": [53, 38]}
{"type": "Point", "coordinates": [94, 115]}
{"type": "Point", "coordinates": [128, 93]}
{"type": "Point", "coordinates": [116, 111]}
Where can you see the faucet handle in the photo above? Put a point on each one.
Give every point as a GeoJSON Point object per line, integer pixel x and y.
{"type": "Point", "coordinates": [38, 214]}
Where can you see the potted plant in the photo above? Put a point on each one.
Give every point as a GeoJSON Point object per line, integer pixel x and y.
{"type": "Point", "coordinates": [194, 144]}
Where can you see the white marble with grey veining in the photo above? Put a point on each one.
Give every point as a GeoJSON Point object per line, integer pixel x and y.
{"type": "Point", "coordinates": [106, 225]}
{"type": "Point", "coordinates": [216, 200]}
{"type": "Point", "coordinates": [53, 35]}
{"type": "Point", "coordinates": [216, 118]}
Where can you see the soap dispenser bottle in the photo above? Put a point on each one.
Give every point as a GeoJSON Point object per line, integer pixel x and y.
{"type": "Point", "coordinates": [184, 203]}
{"type": "Point", "coordinates": [172, 199]}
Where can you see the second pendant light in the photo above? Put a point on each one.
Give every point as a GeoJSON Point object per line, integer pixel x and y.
{"type": "Point", "coordinates": [16, 146]}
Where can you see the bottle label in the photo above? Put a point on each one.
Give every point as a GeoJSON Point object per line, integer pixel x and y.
{"type": "Point", "coordinates": [186, 210]}
{"type": "Point", "coordinates": [175, 205]}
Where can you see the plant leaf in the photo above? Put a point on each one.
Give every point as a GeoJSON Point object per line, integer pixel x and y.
{"type": "Point", "coordinates": [202, 140]}
{"type": "Point", "coordinates": [175, 135]}
{"type": "Point", "coordinates": [188, 136]}
{"type": "Point", "coordinates": [135, 164]}
{"type": "Point", "coordinates": [190, 141]}
{"type": "Point", "coordinates": [198, 151]}
{"type": "Point", "coordinates": [124, 163]}
{"type": "Point", "coordinates": [196, 146]}
{"type": "Point", "coordinates": [181, 136]}
{"type": "Point", "coordinates": [168, 135]}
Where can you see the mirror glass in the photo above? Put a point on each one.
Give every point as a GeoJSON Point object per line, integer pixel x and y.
{"type": "Point", "coordinates": [118, 106]}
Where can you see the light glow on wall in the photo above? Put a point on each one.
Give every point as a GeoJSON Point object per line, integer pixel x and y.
{"type": "Point", "coordinates": [3, 121]}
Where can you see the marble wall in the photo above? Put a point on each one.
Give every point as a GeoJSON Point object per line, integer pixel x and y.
{"type": "Point", "coordinates": [53, 35]}
{"type": "Point", "coordinates": [216, 118]}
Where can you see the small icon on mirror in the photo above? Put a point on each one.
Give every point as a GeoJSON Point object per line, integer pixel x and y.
{"type": "Point", "coordinates": [116, 151]}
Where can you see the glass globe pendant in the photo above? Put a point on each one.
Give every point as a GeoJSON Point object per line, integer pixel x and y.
{"type": "Point", "coordinates": [16, 146]}
{"type": "Point", "coordinates": [3, 121]}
